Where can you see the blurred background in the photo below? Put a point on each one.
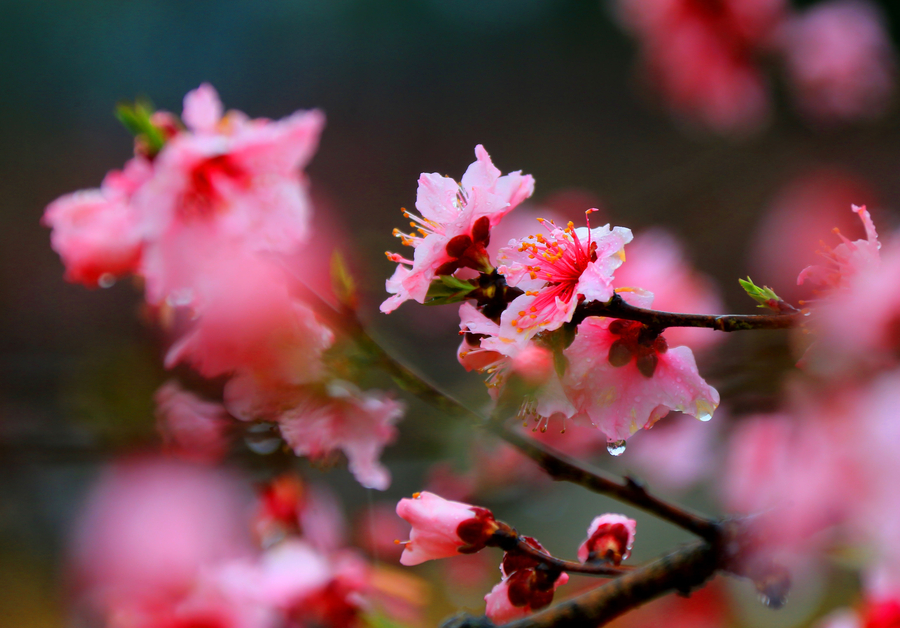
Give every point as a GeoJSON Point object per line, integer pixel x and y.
{"type": "Point", "coordinates": [551, 87]}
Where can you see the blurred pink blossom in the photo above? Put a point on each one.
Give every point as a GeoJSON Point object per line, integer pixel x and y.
{"type": "Point", "coordinates": [232, 184]}
{"type": "Point", "coordinates": [702, 56]}
{"type": "Point", "coordinates": [191, 428]}
{"type": "Point", "coordinates": [252, 327]}
{"type": "Point", "coordinates": [342, 418]}
{"type": "Point", "coordinates": [150, 529]}
{"type": "Point", "coordinates": [802, 216]}
{"type": "Point", "coordinates": [839, 59]}
{"type": "Point", "coordinates": [95, 232]}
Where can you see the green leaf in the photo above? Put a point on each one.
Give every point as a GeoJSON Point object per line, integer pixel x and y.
{"type": "Point", "coordinates": [448, 289]}
{"type": "Point", "coordinates": [342, 281]}
{"type": "Point", "coordinates": [764, 296]}
{"type": "Point", "coordinates": [136, 118]}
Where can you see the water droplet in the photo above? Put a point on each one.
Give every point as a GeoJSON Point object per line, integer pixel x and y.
{"type": "Point", "coordinates": [262, 438]}
{"type": "Point", "coordinates": [705, 417]}
{"type": "Point", "coordinates": [616, 447]}
{"type": "Point", "coordinates": [106, 280]}
{"type": "Point", "coordinates": [180, 298]}
{"type": "Point", "coordinates": [774, 602]}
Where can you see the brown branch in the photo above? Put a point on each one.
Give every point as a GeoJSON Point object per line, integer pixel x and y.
{"type": "Point", "coordinates": [617, 307]}
{"type": "Point", "coordinates": [682, 570]}
{"type": "Point", "coordinates": [562, 467]}
{"type": "Point", "coordinates": [589, 569]}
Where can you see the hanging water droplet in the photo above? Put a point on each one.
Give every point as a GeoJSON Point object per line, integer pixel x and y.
{"type": "Point", "coordinates": [106, 280]}
{"type": "Point", "coordinates": [616, 447]}
{"type": "Point", "coordinates": [262, 438]}
{"type": "Point", "coordinates": [773, 602]}
{"type": "Point", "coordinates": [705, 417]}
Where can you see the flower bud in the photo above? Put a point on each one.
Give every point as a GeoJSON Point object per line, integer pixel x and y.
{"type": "Point", "coordinates": [443, 528]}
{"type": "Point", "coordinates": [609, 538]}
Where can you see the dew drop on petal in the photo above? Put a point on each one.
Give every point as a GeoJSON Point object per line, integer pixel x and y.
{"type": "Point", "coordinates": [106, 280]}
{"type": "Point", "coordinates": [616, 447]}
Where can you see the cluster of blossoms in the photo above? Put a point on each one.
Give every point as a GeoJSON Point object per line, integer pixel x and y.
{"type": "Point", "coordinates": [162, 545]}
{"type": "Point", "coordinates": [443, 529]}
{"type": "Point", "coordinates": [821, 470]}
{"type": "Point", "coordinates": [519, 318]}
{"type": "Point", "coordinates": [213, 215]}
{"type": "Point", "coordinates": [705, 58]}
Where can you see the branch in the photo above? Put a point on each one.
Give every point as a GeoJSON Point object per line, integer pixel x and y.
{"type": "Point", "coordinates": [682, 570]}
{"type": "Point", "coordinates": [590, 569]}
{"type": "Point", "coordinates": [562, 467]}
{"type": "Point", "coordinates": [617, 307]}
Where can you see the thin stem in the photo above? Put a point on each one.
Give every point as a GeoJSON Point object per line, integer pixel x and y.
{"type": "Point", "coordinates": [570, 566]}
{"type": "Point", "coordinates": [562, 467]}
{"type": "Point", "coordinates": [617, 307]}
{"type": "Point", "coordinates": [682, 570]}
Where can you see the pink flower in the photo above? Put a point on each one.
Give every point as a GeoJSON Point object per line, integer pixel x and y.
{"type": "Point", "coordinates": [797, 474]}
{"type": "Point", "coordinates": [609, 537]}
{"type": "Point", "coordinates": [252, 326]}
{"type": "Point", "coordinates": [839, 60]}
{"type": "Point", "coordinates": [701, 56]}
{"type": "Point", "coordinates": [523, 589]}
{"type": "Point", "coordinates": [622, 381]}
{"type": "Point", "coordinates": [657, 262]}
{"type": "Point", "coordinates": [96, 232]}
{"type": "Point", "coordinates": [224, 186]}
{"type": "Point", "coordinates": [191, 427]}
{"type": "Point", "coordinates": [557, 273]}
{"type": "Point", "coordinates": [455, 225]}
{"type": "Point", "coordinates": [286, 575]}
{"type": "Point", "coordinates": [846, 260]}
{"type": "Point", "coordinates": [343, 419]}
{"type": "Point", "coordinates": [798, 219]}
{"type": "Point", "coordinates": [231, 185]}
{"type": "Point", "coordinates": [852, 338]}
{"type": "Point", "coordinates": [442, 528]}
{"type": "Point", "coordinates": [150, 529]}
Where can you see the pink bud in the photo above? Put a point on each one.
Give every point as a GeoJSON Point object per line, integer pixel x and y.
{"type": "Point", "coordinates": [443, 528]}
{"type": "Point", "coordinates": [609, 537]}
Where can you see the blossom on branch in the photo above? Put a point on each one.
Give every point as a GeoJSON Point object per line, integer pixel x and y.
{"type": "Point", "coordinates": [557, 273]}
{"type": "Point", "coordinates": [454, 227]}
{"type": "Point", "coordinates": [524, 587]}
{"type": "Point", "coordinates": [623, 379]}
{"type": "Point", "coordinates": [443, 528]}
{"type": "Point", "coordinates": [609, 537]}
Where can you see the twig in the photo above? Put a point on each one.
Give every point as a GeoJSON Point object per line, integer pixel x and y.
{"type": "Point", "coordinates": [590, 569]}
{"type": "Point", "coordinates": [562, 467]}
{"type": "Point", "coordinates": [682, 570]}
{"type": "Point", "coordinates": [617, 307]}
